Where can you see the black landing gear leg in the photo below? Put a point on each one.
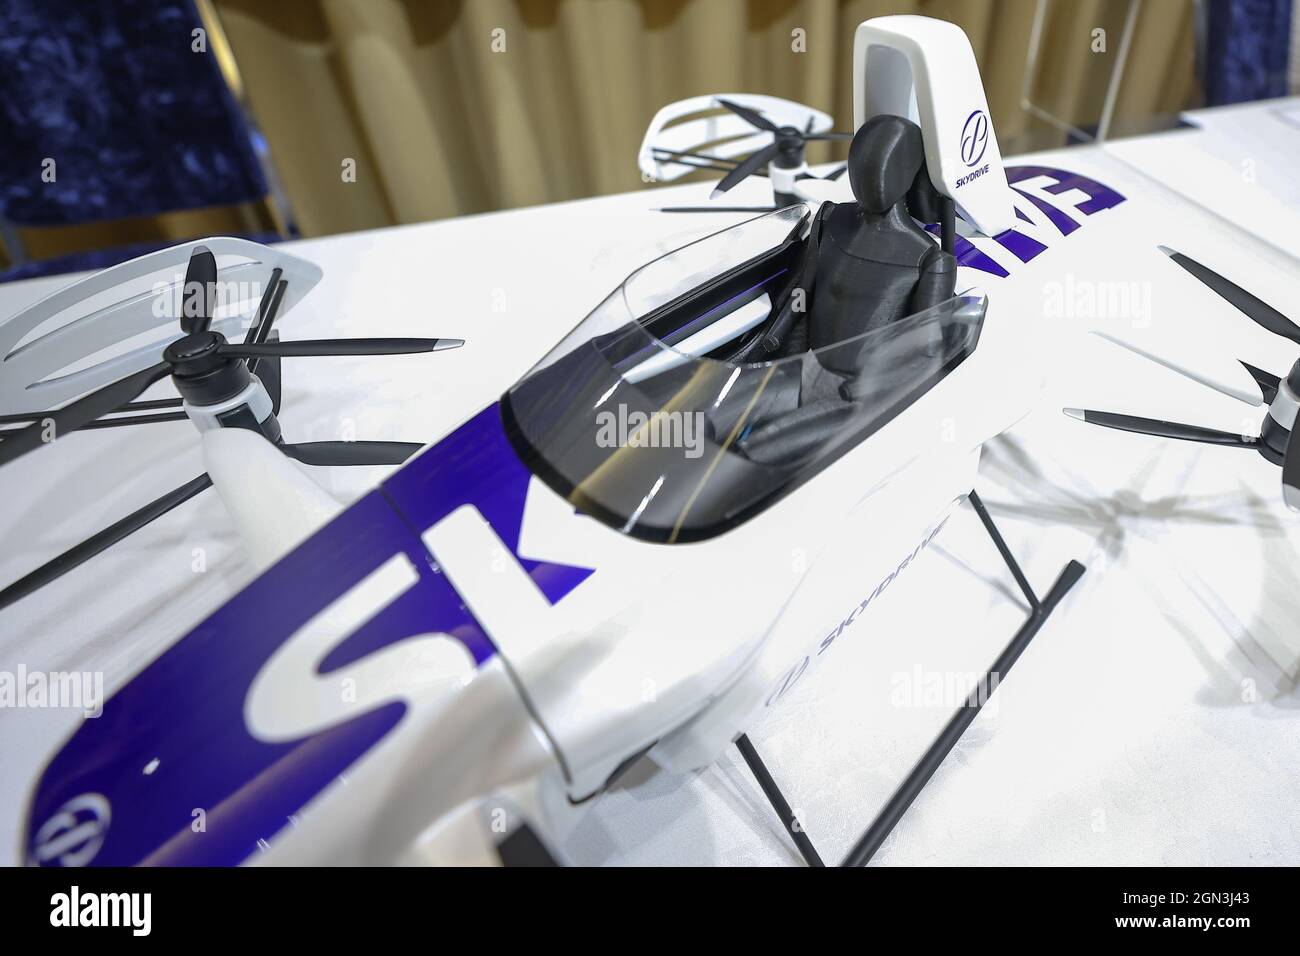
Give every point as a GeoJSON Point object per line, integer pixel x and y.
{"type": "Point", "coordinates": [920, 775]}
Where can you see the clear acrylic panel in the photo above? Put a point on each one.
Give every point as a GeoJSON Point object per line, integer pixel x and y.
{"type": "Point", "coordinates": [673, 442]}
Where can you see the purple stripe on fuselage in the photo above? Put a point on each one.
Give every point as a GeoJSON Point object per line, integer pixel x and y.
{"type": "Point", "coordinates": [185, 781]}
{"type": "Point", "coordinates": [1024, 247]}
{"type": "Point", "coordinates": [476, 465]}
{"type": "Point", "coordinates": [1100, 196]}
{"type": "Point", "coordinates": [183, 716]}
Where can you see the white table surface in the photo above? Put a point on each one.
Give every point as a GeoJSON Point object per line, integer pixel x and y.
{"type": "Point", "coordinates": [1239, 162]}
{"type": "Point", "coordinates": [1154, 720]}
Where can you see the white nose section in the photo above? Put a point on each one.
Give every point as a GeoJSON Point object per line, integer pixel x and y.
{"type": "Point", "coordinates": [273, 503]}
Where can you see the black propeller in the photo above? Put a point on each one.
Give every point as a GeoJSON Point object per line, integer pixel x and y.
{"type": "Point", "coordinates": [1267, 382]}
{"type": "Point", "coordinates": [1289, 458]}
{"type": "Point", "coordinates": [266, 369]}
{"type": "Point", "coordinates": [199, 294]}
{"type": "Point", "coordinates": [1251, 305]}
{"type": "Point", "coordinates": [197, 348]}
{"type": "Point", "coordinates": [695, 160]}
{"type": "Point", "coordinates": [788, 140]}
{"type": "Point", "coordinates": [1276, 439]}
{"type": "Point", "coordinates": [747, 168]}
{"type": "Point", "coordinates": [351, 452]}
{"type": "Point", "coordinates": [261, 352]}
{"type": "Point", "coordinates": [752, 117]}
{"type": "Point", "coordinates": [321, 347]}
{"type": "Point", "coordinates": [787, 147]}
{"type": "Point", "coordinates": [1276, 442]}
{"type": "Point", "coordinates": [759, 121]}
{"type": "Point", "coordinates": [1162, 429]}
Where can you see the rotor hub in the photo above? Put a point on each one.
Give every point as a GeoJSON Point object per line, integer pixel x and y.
{"type": "Point", "coordinates": [201, 373]}
{"type": "Point", "coordinates": [194, 347]}
{"type": "Point", "coordinates": [790, 143]}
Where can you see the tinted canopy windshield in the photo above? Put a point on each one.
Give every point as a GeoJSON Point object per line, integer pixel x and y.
{"type": "Point", "coordinates": [643, 418]}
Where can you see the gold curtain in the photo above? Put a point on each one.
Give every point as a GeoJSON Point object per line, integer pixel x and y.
{"type": "Point", "coordinates": [444, 116]}
{"type": "Point", "coordinates": [448, 107]}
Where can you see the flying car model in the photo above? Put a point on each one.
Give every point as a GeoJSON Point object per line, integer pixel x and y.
{"type": "Point", "coordinates": [639, 548]}
{"type": "Point", "coordinates": [526, 606]}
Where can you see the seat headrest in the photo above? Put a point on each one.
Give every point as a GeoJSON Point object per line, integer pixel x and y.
{"type": "Point", "coordinates": [886, 153]}
{"type": "Point", "coordinates": [923, 200]}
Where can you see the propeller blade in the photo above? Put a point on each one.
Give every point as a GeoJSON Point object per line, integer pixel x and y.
{"type": "Point", "coordinates": [318, 347]}
{"type": "Point", "coordinates": [351, 452]}
{"type": "Point", "coordinates": [80, 413]}
{"type": "Point", "coordinates": [676, 153]}
{"type": "Point", "coordinates": [715, 167]}
{"type": "Point", "coordinates": [78, 555]}
{"type": "Point", "coordinates": [1161, 429]}
{"type": "Point", "coordinates": [837, 173]}
{"type": "Point", "coordinates": [199, 293]}
{"type": "Point", "coordinates": [271, 501]}
{"type": "Point", "coordinates": [1267, 382]}
{"type": "Point", "coordinates": [755, 162]}
{"type": "Point", "coordinates": [1251, 305]}
{"type": "Point", "coordinates": [1291, 474]}
{"type": "Point", "coordinates": [812, 136]}
{"type": "Point", "coordinates": [752, 117]}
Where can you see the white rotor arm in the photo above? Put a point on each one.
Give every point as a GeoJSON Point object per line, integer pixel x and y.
{"type": "Point", "coordinates": [272, 502]}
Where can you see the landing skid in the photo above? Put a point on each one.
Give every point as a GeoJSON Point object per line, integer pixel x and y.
{"type": "Point", "coordinates": [920, 775]}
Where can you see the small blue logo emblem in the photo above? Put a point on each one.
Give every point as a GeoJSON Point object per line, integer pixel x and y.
{"type": "Point", "coordinates": [974, 138]}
